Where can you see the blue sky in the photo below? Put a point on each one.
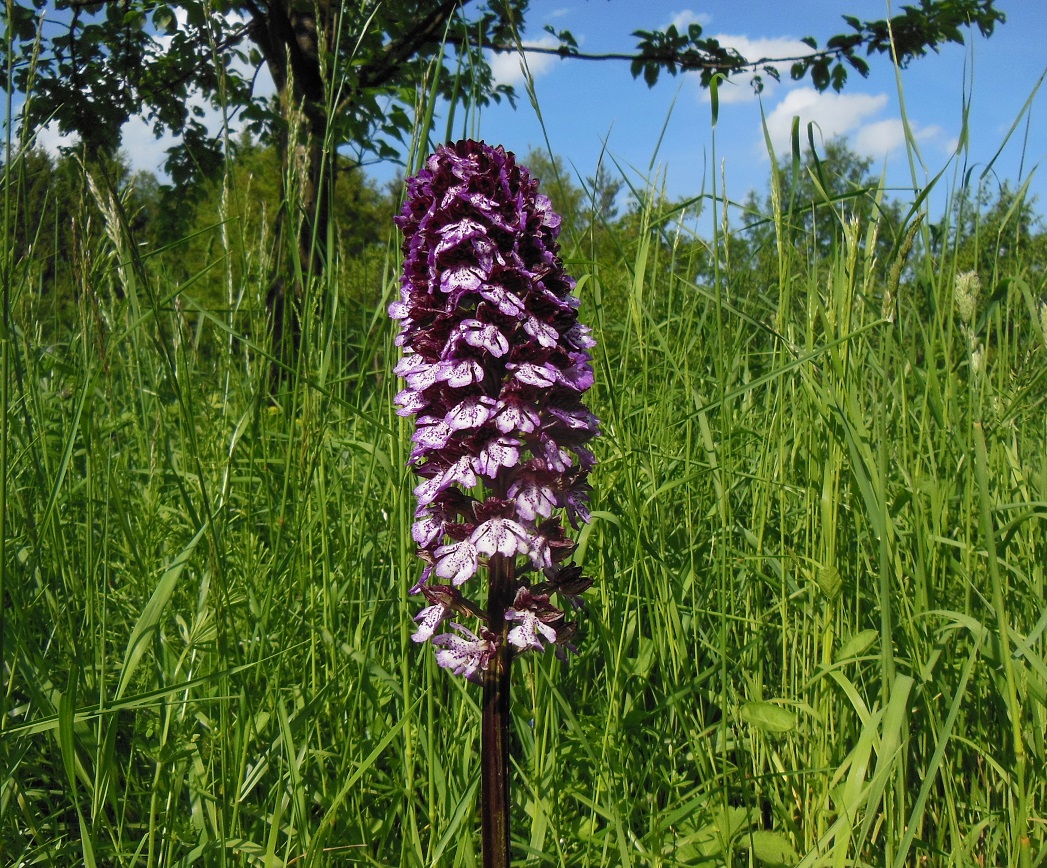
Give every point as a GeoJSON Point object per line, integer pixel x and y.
{"type": "Point", "coordinates": [590, 106]}
{"type": "Point", "coordinates": [665, 133]}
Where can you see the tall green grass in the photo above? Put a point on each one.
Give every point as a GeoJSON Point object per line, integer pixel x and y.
{"type": "Point", "coordinates": [816, 637]}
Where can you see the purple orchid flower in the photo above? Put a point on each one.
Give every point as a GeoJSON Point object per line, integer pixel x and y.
{"type": "Point", "coordinates": [494, 367]}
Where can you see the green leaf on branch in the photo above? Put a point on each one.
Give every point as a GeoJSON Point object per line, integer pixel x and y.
{"type": "Point", "coordinates": [839, 77]}
{"type": "Point", "coordinates": [859, 65]}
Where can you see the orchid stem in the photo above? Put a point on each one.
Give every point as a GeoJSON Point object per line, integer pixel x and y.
{"type": "Point", "coordinates": [494, 744]}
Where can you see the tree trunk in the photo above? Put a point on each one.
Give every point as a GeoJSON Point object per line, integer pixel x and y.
{"type": "Point", "coordinates": [293, 37]}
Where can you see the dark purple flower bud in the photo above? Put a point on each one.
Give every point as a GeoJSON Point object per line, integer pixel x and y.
{"type": "Point", "coordinates": [563, 640]}
{"type": "Point", "coordinates": [568, 580]}
{"type": "Point", "coordinates": [494, 365]}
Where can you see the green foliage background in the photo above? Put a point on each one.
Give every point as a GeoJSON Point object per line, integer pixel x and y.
{"type": "Point", "coordinates": [817, 631]}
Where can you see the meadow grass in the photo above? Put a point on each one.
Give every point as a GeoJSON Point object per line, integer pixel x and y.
{"type": "Point", "coordinates": [816, 635]}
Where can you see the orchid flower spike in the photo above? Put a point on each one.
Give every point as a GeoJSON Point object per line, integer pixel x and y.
{"type": "Point", "coordinates": [494, 366]}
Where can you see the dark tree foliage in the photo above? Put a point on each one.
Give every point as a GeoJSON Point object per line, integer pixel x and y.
{"type": "Point", "coordinates": [348, 76]}
{"type": "Point", "coordinates": [239, 214]}
{"type": "Point", "coordinates": [349, 70]}
{"type": "Point", "coordinates": [345, 77]}
{"type": "Point", "coordinates": [902, 38]}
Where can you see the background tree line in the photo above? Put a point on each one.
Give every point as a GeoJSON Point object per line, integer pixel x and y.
{"type": "Point", "coordinates": [231, 215]}
{"type": "Point", "coordinates": [352, 82]}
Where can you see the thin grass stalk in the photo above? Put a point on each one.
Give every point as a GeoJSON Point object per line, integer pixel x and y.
{"type": "Point", "coordinates": [6, 277]}
{"type": "Point", "coordinates": [415, 729]}
{"type": "Point", "coordinates": [1020, 829]}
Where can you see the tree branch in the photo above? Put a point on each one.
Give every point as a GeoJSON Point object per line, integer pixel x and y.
{"type": "Point", "coordinates": [429, 29]}
{"type": "Point", "coordinates": [663, 57]}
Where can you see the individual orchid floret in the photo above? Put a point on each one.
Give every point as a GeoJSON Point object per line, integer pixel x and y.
{"type": "Point", "coordinates": [444, 601]}
{"type": "Point", "coordinates": [535, 617]}
{"type": "Point", "coordinates": [468, 654]}
{"type": "Point", "coordinates": [501, 536]}
{"type": "Point", "coordinates": [494, 366]}
{"type": "Point", "coordinates": [428, 620]}
{"type": "Point", "coordinates": [457, 562]}
{"type": "Point", "coordinates": [533, 493]}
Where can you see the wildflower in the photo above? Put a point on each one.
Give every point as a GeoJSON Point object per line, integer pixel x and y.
{"type": "Point", "coordinates": [467, 654]}
{"type": "Point", "coordinates": [494, 367]}
{"type": "Point", "coordinates": [444, 600]}
{"type": "Point", "coordinates": [536, 618]}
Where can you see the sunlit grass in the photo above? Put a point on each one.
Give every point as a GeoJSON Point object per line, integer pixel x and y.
{"type": "Point", "coordinates": [816, 635]}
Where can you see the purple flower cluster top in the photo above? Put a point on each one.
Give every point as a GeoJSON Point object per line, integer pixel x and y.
{"type": "Point", "coordinates": [494, 364]}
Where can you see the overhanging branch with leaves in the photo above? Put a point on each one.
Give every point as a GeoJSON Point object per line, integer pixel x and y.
{"type": "Point", "coordinates": [904, 37]}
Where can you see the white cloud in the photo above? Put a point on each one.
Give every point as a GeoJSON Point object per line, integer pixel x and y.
{"type": "Point", "coordinates": [763, 48]}
{"type": "Point", "coordinates": [507, 67]}
{"type": "Point", "coordinates": [881, 138]}
{"type": "Point", "coordinates": [687, 17]}
{"type": "Point", "coordinates": [851, 115]}
{"type": "Point", "coordinates": [143, 150]}
{"type": "Point", "coordinates": [833, 114]}
{"type": "Point", "coordinates": [51, 140]}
